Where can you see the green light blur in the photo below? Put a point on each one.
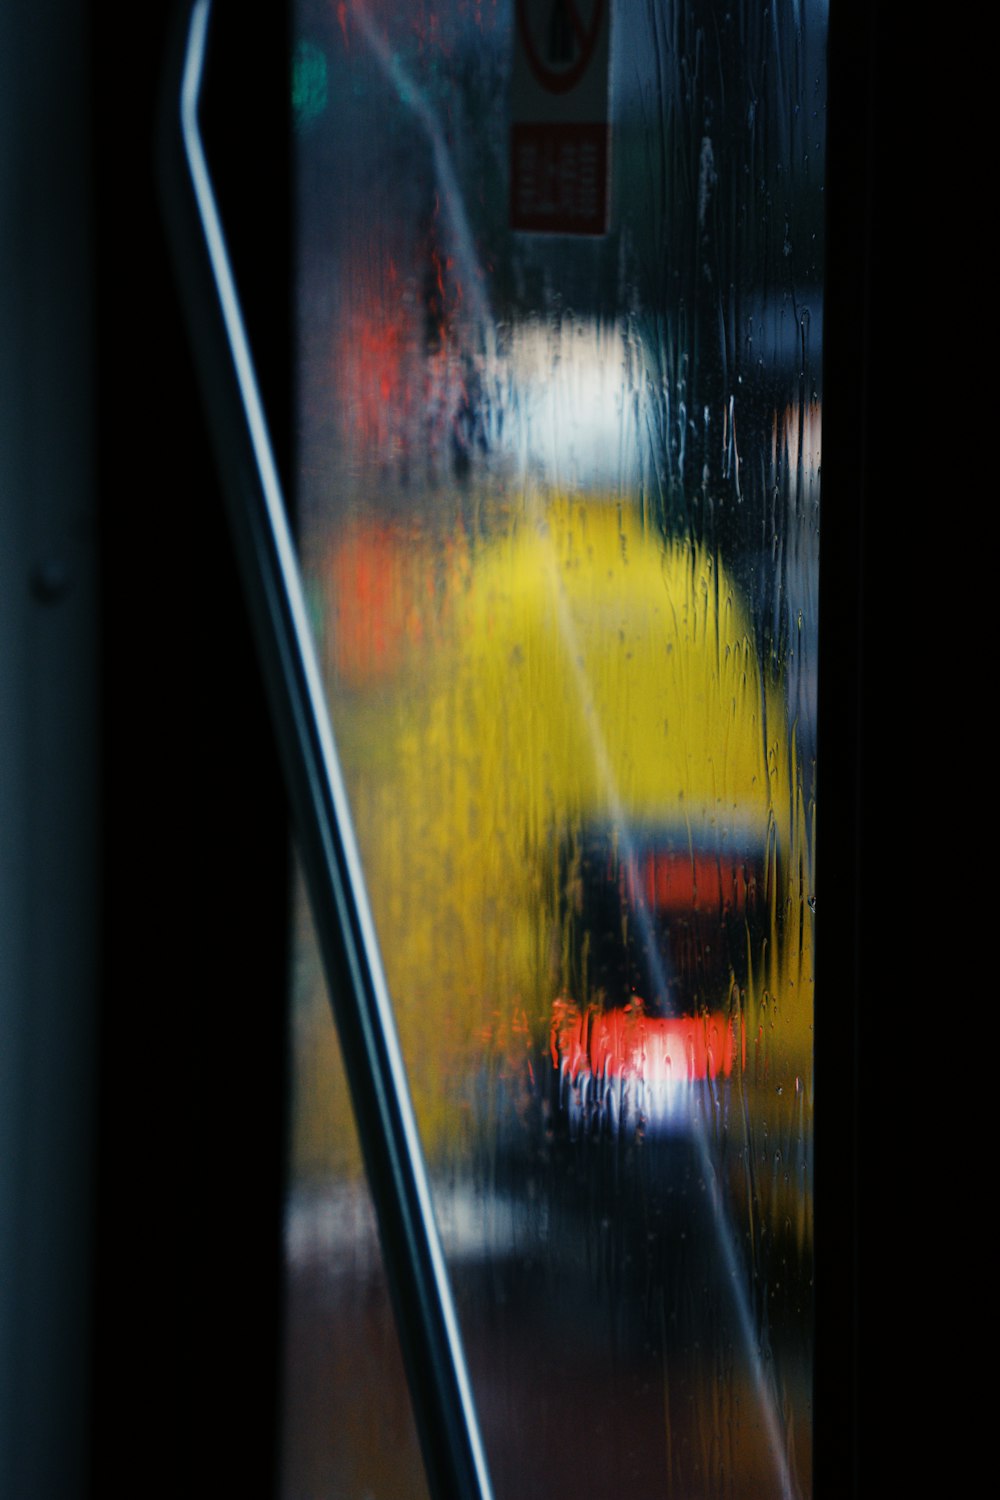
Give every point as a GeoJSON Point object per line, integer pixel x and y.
{"type": "Point", "coordinates": [309, 83]}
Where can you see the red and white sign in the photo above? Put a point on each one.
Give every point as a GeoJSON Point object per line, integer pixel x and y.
{"type": "Point", "coordinates": [559, 116]}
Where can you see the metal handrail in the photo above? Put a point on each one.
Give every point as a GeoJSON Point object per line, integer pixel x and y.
{"type": "Point", "coordinates": [431, 1344]}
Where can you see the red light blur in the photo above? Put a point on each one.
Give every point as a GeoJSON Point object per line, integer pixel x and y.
{"type": "Point", "coordinates": [690, 881]}
{"type": "Point", "coordinates": [662, 1049]}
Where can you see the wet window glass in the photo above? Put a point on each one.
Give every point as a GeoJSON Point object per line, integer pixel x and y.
{"type": "Point", "coordinates": [560, 334]}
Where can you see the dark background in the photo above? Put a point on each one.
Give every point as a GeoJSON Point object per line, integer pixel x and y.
{"type": "Point", "coordinates": [196, 863]}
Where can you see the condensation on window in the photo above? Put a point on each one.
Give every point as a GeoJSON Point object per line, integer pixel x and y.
{"type": "Point", "coordinates": [559, 499]}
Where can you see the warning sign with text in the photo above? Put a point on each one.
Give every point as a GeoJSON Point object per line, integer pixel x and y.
{"type": "Point", "coordinates": [559, 116]}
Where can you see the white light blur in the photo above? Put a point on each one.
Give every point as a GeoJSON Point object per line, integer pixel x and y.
{"type": "Point", "coordinates": [571, 421]}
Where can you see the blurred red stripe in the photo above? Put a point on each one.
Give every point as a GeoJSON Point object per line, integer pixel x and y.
{"type": "Point", "coordinates": [618, 1043]}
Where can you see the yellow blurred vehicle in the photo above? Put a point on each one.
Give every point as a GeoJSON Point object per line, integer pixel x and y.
{"type": "Point", "coordinates": [574, 793]}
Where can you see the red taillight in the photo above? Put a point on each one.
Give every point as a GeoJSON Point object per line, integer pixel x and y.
{"type": "Point", "coordinates": [688, 881]}
{"type": "Point", "coordinates": [653, 1050]}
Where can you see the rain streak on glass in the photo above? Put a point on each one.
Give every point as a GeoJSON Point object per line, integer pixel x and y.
{"type": "Point", "coordinates": [559, 500]}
